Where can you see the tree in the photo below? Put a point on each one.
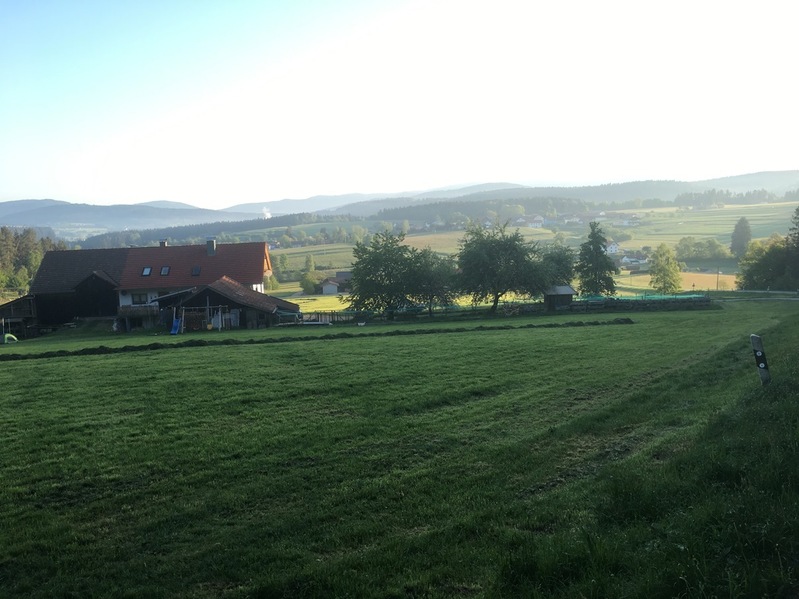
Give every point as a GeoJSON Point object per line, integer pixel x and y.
{"type": "Point", "coordinates": [310, 263]}
{"type": "Point", "coordinates": [766, 265]}
{"type": "Point", "coordinates": [714, 250]}
{"type": "Point", "coordinates": [380, 274]}
{"type": "Point", "coordinates": [432, 279]}
{"type": "Point", "coordinates": [271, 283]}
{"type": "Point", "coordinates": [283, 263]}
{"type": "Point", "coordinates": [689, 248]}
{"type": "Point", "coordinates": [773, 264]}
{"type": "Point", "coordinates": [665, 271]}
{"type": "Point", "coordinates": [559, 261]}
{"type": "Point", "coordinates": [493, 262]}
{"type": "Point", "coordinates": [741, 236]}
{"type": "Point", "coordinates": [595, 268]}
{"type": "Point", "coordinates": [310, 281]}
{"type": "Point", "coordinates": [358, 233]}
{"type": "Point", "coordinates": [792, 251]}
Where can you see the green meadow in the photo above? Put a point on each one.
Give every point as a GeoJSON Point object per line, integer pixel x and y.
{"type": "Point", "coordinates": [658, 225]}
{"type": "Point", "coordinates": [601, 455]}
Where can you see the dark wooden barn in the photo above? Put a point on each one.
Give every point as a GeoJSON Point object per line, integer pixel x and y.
{"type": "Point", "coordinates": [226, 303]}
{"type": "Point", "coordinates": [558, 297]}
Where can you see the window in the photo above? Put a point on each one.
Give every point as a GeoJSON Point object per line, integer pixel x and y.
{"type": "Point", "coordinates": [145, 272]}
{"type": "Point", "coordinates": [164, 271]}
{"type": "Point", "coordinates": [138, 298]}
{"type": "Point", "coordinates": [195, 272]}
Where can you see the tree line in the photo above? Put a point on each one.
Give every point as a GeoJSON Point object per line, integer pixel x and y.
{"type": "Point", "coordinates": [492, 262]}
{"type": "Point", "coordinates": [773, 263]}
{"type": "Point", "coordinates": [21, 253]}
{"type": "Point", "coordinates": [230, 231]}
{"type": "Point", "coordinates": [720, 197]}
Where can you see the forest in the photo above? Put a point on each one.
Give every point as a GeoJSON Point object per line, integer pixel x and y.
{"type": "Point", "coordinates": [21, 252]}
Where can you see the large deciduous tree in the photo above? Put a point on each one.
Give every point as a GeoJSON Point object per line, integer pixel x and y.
{"type": "Point", "coordinates": [741, 236]}
{"type": "Point", "coordinates": [494, 262]}
{"type": "Point", "coordinates": [381, 274]}
{"type": "Point", "coordinates": [772, 264]}
{"type": "Point", "coordinates": [764, 265]}
{"type": "Point", "coordinates": [559, 261]}
{"type": "Point", "coordinates": [595, 268]}
{"type": "Point", "coordinates": [664, 271]}
{"type": "Point", "coordinates": [432, 279]}
{"type": "Point", "coordinates": [388, 276]}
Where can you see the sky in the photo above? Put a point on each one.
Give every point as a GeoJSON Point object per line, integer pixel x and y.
{"type": "Point", "coordinates": [221, 103]}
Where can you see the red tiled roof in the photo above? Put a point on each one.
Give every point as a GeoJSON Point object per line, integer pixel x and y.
{"type": "Point", "coordinates": [193, 265]}
{"type": "Point", "coordinates": [61, 271]}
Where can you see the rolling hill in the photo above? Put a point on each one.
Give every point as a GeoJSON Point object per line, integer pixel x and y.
{"type": "Point", "coordinates": [78, 221]}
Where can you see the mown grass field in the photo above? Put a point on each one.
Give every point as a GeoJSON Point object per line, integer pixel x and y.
{"type": "Point", "coordinates": [500, 458]}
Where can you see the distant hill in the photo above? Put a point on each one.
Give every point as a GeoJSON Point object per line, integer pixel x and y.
{"type": "Point", "coordinates": [456, 192]}
{"type": "Point", "coordinates": [16, 206]}
{"type": "Point", "coordinates": [312, 204]}
{"type": "Point", "coordinates": [777, 182]}
{"type": "Point", "coordinates": [167, 204]}
{"type": "Point", "coordinates": [774, 181]}
{"type": "Point", "coordinates": [76, 221]}
{"type": "Point", "coordinates": [79, 221]}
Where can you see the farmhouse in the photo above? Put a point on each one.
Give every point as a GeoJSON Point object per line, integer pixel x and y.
{"type": "Point", "coordinates": [127, 282]}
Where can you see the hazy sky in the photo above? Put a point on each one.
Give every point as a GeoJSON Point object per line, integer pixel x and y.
{"type": "Point", "coordinates": [216, 103]}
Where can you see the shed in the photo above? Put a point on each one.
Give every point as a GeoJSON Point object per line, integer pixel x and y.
{"type": "Point", "coordinates": [558, 297]}
{"type": "Point", "coordinates": [329, 287]}
{"type": "Point", "coordinates": [17, 316]}
{"type": "Point", "coordinates": [236, 305]}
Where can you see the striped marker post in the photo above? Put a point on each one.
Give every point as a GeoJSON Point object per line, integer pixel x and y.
{"type": "Point", "coordinates": [760, 359]}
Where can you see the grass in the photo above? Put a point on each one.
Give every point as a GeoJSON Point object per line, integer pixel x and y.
{"type": "Point", "coordinates": [335, 256]}
{"type": "Point", "coordinates": [478, 459]}
{"type": "Point", "coordinates": [667, 225]}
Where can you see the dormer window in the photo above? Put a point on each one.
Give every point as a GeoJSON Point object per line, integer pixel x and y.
{"type": "Point", "coordinates": [164, 271]}
{"type": "Point", "coordinates": [145, 272]}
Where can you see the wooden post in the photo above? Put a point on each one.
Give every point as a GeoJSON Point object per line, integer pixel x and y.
{"type": "Point", "coordinates": [760, 359]}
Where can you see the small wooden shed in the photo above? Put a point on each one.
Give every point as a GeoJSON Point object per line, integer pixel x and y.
{"type": "Point", "coordinates": [558, 297]}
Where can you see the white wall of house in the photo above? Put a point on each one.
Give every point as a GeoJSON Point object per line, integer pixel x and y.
{"type": "Point", "coordinates": [141, 297]}
{"type": "Point", "coordinates": [138, 297]}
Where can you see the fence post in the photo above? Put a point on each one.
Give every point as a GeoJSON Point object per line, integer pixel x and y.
{"type": "Point", "coordinates": [760, 359]}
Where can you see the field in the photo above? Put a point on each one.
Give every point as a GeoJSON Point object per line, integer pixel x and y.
{"type": "Point", "coordinates": [536, 457]}
{"type": "Point", "coordinates": [661, 225]}
{"type": "Point", "coordinates": [669, 225]}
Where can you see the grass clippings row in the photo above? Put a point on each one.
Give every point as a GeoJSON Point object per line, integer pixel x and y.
{"type": "Point", "coordinates": [104, 349]}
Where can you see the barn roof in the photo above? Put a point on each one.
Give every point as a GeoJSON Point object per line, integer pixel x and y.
{"type": "Point", "coordinates": [560, 290]}
{"type": "Point", "coordinates": [170, 267]}
{"type": "Point", "coordinates": [63, 270]}
{"type": "Point", "coordinates": [183, 266]}
{"type": "Point", "coordinates": [244, 296]}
